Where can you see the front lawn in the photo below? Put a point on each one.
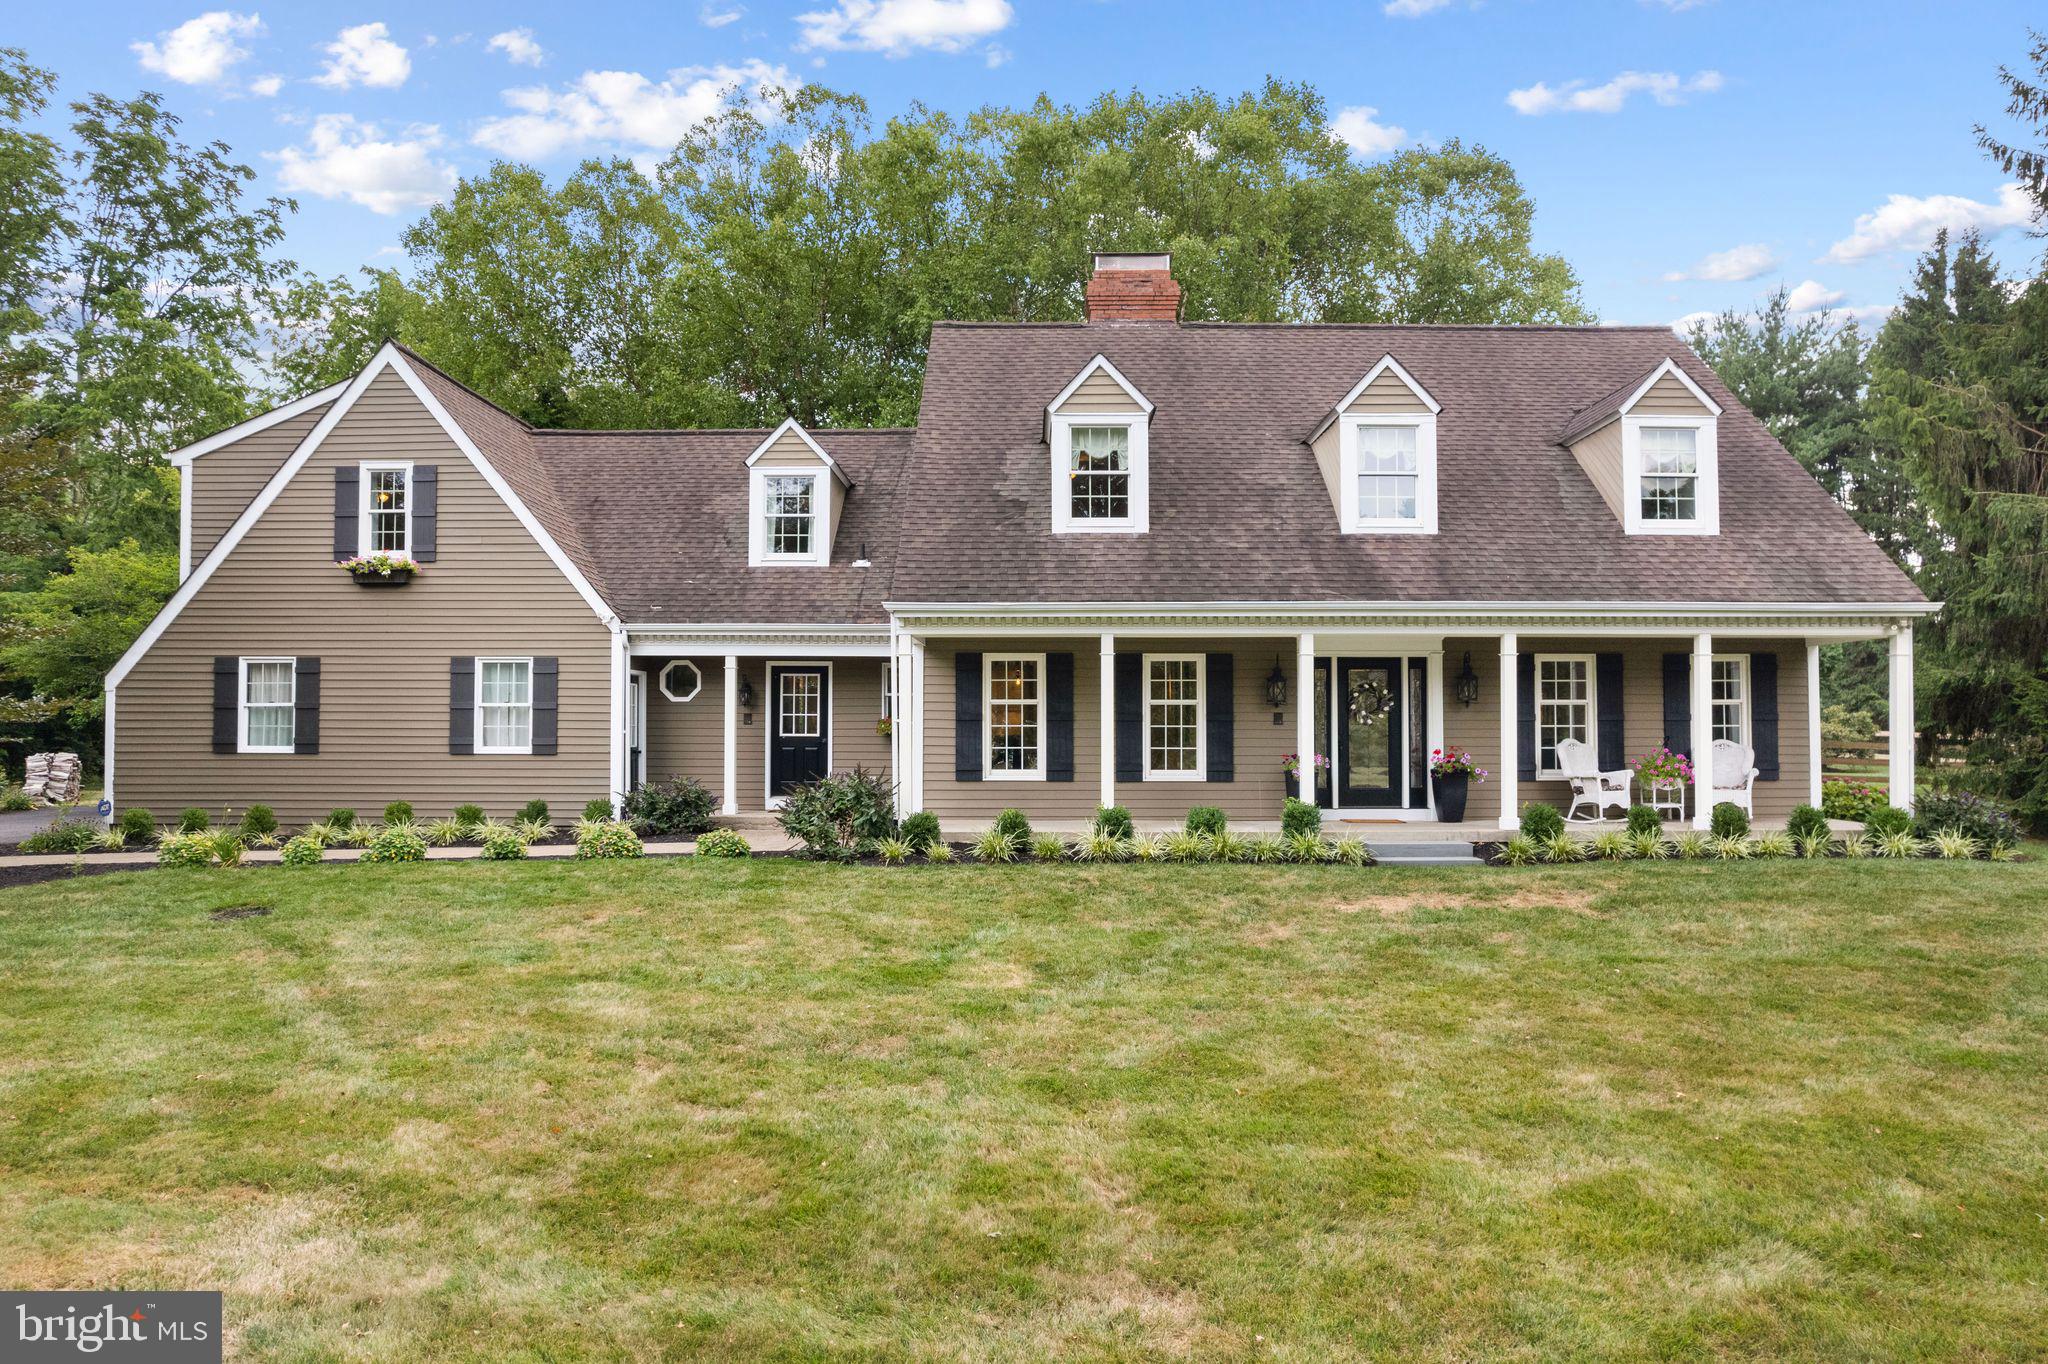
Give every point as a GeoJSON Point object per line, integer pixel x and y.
{"type": "Point", "coordinates": [770, 1110]}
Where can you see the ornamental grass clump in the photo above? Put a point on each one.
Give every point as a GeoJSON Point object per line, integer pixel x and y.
{"type": "Point", "coordinates": [1225, 846]}
{"type": "Point", "coordinates": [1308, 849]}
{"type": "Point", "coordinates": [1814, 846]}
{"type": "Point", "coordinates": [443, 832]}
{"type": "Point", "coordinates": [1149, 848]}
{"type": "Point", "coordinates": [996, 845]}
{"type": "Point", "coordinates": [1048, 848]}
{"type": "Point", "coordinates": [1267, 848]}
{"type": "Point", "coordinates": [1650, 846]}
{"type": "Point", "coordinates": [110, 840]}
{"type": "Point", "coordinates": [1859, 845]}
{"type": "Point", "coordinates": [1771, 844]}
{"type": "Point", "coordinates": [534, 830]}
{"type": "Point", "coordinates": [893, 852]}
{"type": "Point", "coordinates": [1611, 846]}
{"type": "Point", "coordinates": [1352, 852]}
{"type": "Point", "coordinates": [1562, 847]}
{"type": "Point", "coordinates": [1729, 848]}
{"type": "Point", "coordinates": [1102, 846]}
{"type": "Point", "coordinates": [1692, 846]}
{"type": "Point", "coordinates": [1185, 846]}
{"type": "Point", "coordinates": [1519, 851]}
{"type": "Point", "coordinates": [1899, 843]}
{"type": "Point", "coordinates": [938, 854]}
{"type": "Point", "coordinates": [1954, 843]}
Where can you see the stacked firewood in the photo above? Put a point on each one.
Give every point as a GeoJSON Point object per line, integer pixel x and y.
{"type": "Point", "coordinates": [52, 777]}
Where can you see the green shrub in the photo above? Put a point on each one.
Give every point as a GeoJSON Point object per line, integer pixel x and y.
{"type": "Point", "coordinates": [1966, 813]}
{"type": "Point", "coordinates": [64, 836]}
{"type": "Point", "coordinates": [723, 843]}
{"type": "Point", "coordinates": [398, 812]}
{"type": "Point", "coordinates": [1643, 819]}
{"type": "Point", "coordinates": [596, 810]}
{"type": "Point", "coordinates": [504, 845]}
{"type": "Point", "coordinates": [679, 807]}
{"type": "Point", "coordinates": [1208, 819]}
{"type": "Point", "coordinates": [194, 821]}
{"type": "Point", "coordinates": [343, 818]}
{"type": "Point", "coordinates": [139, 824]}
{"type": "Point", "coordinates": [1886, 820]}
{"type": "Point", "coordinates": [15, 800]}
{"type": "Point", "coordinates": [921, 830]}
{"type": "Point", "coordinates": [1113, 820]}
{"type": "Point", "coordinates": [1728, 821]}
{"type": "Point", "coordinates": [610, 838]}
{"type": "Point", "coordinates": [468, 816]}
{"type": "Point", "coordinates": [1806, 821]}
{"type": "Point", "coordinates": [258, 820]}
{"type": "Point", "coordinates": [1013, 823]}
{"type": "Point", "coordinates": [300, 852]}
{"type": "Point", "coordinates": [534, 811]}
{"type": "Point", "coordinates": [1300, 817]}
{"type": "Point", "coordinates": [184, 850]}
{"type": "Point", "coordinates": [1542, 822]}
{"type": "Point", "coordinates": [396, 845]}
{"type": "Point", "coordinates": [841, 816]}
{"type": "Point", "coordinates": [1849, 800]}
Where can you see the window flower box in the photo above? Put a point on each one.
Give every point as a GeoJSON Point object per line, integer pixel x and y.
{"type": "Point", "coordinates": [380, 570]}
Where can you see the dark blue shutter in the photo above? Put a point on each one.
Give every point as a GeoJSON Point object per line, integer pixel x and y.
{"type": "Point", "coordinates": [967, 716]}
{"type": "Point", "coordinates": [1130, 717]}
{"type": "Point", "coordinates": [346, 539]}
{"type": "Point", "coordinates": [1678, 703]}
{"type": "Point", "coordinates": [1525, 716]}
{"type": "Point", "coordinates": [1608, 690]}
{"type": "Point", "coordinates": [462, 705]}
{"type": "Point", "coordinates": [426, 501]}
{"type": "Point", "coordinates": [1763, 714]}
{"type": "Point", "coordinates": [1222, 718]}
{"type": "Point", "coordinates": [306, 705]}
{"type": "Point", "coordinates": [1059, 717]}
{"type": "Point", "coordinates": [547, 691]}
{"type": "Point", "coordinates": [227, 681]}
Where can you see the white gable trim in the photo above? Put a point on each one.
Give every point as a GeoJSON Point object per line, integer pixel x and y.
{"type": "Point", "coordinates": [1101, 362]}
{"type": "Point", "coordinates": [296, 407]}
{"type": "Point", "coordinates": [1387, 362]}
{"type": "Point", "coordinates": [792, 424]}
{"type": "Point", "coordinates": [387, 357]}
{"type": "Point", "coordinates": [1669, 366]}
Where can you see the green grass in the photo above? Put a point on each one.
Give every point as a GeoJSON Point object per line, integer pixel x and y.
{"type": "Point", "coordinates": [767, 1110]}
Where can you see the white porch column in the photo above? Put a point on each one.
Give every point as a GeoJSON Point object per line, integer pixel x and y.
{"type": "Point", "coordinates": [1510, 764]}
{"type": "Point", "coordinates": [918, 723]}
{"type": "Point", "coordinates": [1702, 730]}
{"type": "Point", "coordinates": [1813, 754]}
{"type": "Point", "coordinates": [732, 736]}
{"type": "Point", "coordinates": [1433, 723]}
{"type": "Point", "coordinates": [1902, 718]}
{"type": "Point", "coordinates": [622, 700]}
{"type": "Point", "coordinates": [1305, 717]}
{"type": "Point", "coordinates": [1106, 722]}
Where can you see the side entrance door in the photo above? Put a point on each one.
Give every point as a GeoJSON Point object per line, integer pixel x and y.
{"type": "Point", "coordinates": [1370, 728]}
{"type": "Point", "coordinates": [799, 718]}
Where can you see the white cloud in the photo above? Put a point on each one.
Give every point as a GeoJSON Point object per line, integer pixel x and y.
{"type": "Point", "coordinates": [266, 87]}
{"type": "Point", "coordinates": [347, 159]}
{"type": "Point", "coordinates": [1732, 266]}
{"type": "Point", "coordinates": [1365, 137]}
{"type": "Point", "coordinates": [1906, 223]}
{"type": "Point", "coordinates": [718, 16]}
{"type": "Point", "coordinates": [1577, 97]}
{"type": "Point", "coordinates": [897, 28]}
{"type": "Point", "coordinates": [365, 55]}
{"type": "Point", "coordinates": [1811, 296]}
{"type": "Point", "coordinates": [998, 55]}
{"type": "Point", "coordinates": [622, 107]}
{"type": "Point", "coordinates": [1684, 324]}
{"type": "Point", "coordinates": [1412, 9]}
{"type": "Point", "coordinates": [199, 51]}
{"type": "Point", "coordinates": [518, 46]}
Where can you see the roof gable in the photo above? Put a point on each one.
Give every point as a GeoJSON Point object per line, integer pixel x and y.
{"type": "Point", "coordinates": [791, 427]}
{"type": "Point", "coordinates": [1100, 365]}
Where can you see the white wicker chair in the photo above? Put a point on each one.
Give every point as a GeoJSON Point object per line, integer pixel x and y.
{"type": "Point", "coordinates": [1591, 786]}
{"type": "Point", "coordinates": [1734, 776]}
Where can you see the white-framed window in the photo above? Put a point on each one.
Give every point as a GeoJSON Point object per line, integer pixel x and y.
{"type": "Point", "coordinates": [1013, 702]}
{"type": "Point", "coordinates": [384, 516]}
{"type": "Point", "coordinates": [799, 704]}
{"type": "Point", "coordinates": [681, 680]}
{"type": "Point", "coordinates": [788, 516]}
{"type": "Point", "coordinates": [889, 690]}
{"type": "Point", "coordinates": [1673, 483]}
{"type": "Point", "coordinates": [270, 697]}
{"type": "Point", "coordinates": [504, 705]}
{"type": "Point", "coordinates": [1101, 475]}
{"type": "Point", "coordinates": [1565, 706]}
{"type": "Point", "coordinates": [1729, 697]}
{"type": "Point", "coordinates": [1387, 473]}
{"type": "Point", "coordinates": [1176, 747]}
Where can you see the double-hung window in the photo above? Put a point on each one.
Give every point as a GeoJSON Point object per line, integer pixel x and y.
{"type": "Point", "coordinates": [789, 512]}
{"type": "Point", "coordinates": [1014, 696]}
{"type": "Point", "coordinates": [1670, 488]}
{"type": "Point", "coordinates": [1388, 473]}
{"type": "Point", "coordinates": [269, 698]}
{"type": "Point", "coordinates": [1564, 705]}
{"type": "Point", "coordinates": [1173, 717]}
{"type": "Point", "coordinates": [504, 705]}
{"type": "Point", "coordinates": [1387, 468]}
{"type": "Point", "coordinates": [1671, 467]}
{"type": "Point", "coordinates": [386, 511]}
{"type": "Point", "coordinates": [1099, 473]}
{"type": "Point", "coordinates": [1729, 697]}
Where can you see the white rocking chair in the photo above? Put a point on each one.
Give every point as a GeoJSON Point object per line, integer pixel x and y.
{"type": "Point", "coordinates": [1734, 776]}
{"type": "Point", "coordinates": [1591, 786]}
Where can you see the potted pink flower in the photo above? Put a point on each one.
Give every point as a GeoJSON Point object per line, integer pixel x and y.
{"type": "Point", "coordinates": [1290, 763]}
{"type": "Point", "coordinates": [380, 569]}
{"type": "Point", "coordinates": [1452, 774]}
{"type": "Point", "coordinates": [1664, 775]}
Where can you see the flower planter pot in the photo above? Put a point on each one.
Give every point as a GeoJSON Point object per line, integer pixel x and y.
{"type": "Point", "coordinates": [1450, 796]}
{"type": "Point", "coordinates": [397, 577]}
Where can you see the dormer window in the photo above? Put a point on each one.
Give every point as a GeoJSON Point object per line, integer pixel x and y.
{"type": "Point", "coordinates": [1377, 452]}
{"type": "Point", "coordinates": [1671, 473]}
{"type": "Point", "coordinates": [795, 496]}
{"type": "Point", "coordinates": [789, 498]}
{"type": "Point", "coordinates": [1651, 450]}
{"type": "Point", "coordinates": [1098, 429]}
{"type": "Point", "coordinates": [385, 514]}
{"type": "Point", "coordinates": [1099, 473]}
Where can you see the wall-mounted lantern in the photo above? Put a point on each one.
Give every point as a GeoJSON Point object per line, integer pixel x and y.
{"type": "Point", "coordinates": [1467, 683]}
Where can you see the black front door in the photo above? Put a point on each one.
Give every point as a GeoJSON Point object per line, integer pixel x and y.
{"type": "Point", "coordinates": [799, 718]}
{"type": "Point", "coordinates": [1370, 715]}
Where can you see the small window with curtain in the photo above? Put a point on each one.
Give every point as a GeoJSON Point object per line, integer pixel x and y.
{"type": "Point", "coordinates": [1173, 717]}
{"type": "Point", "coordinates": [1564, 706]}
{"type": "Point", "coordinates": [1014, 696]}
{"type": "Point", "coordinates": [1730, 699]}
{"type": "Point", "coordinates": [387, 509]}
{"type": "Point", "coordinates": [1389, 473]}
{"type": "Point", "coordinates": [1099, 473]}
{"type": "Point", "coordinates": [269, 696]}
{"type": "Point", "coordinates": [504, 705]}
{"type": "Point", "coordinates": [789, 510]}
{"type": "Point", "coordinates": [1671, 473]}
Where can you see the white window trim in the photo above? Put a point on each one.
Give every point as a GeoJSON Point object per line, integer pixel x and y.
{"type": "Point", "coordinates": [1201, 770]}
{"type": "Point", "coordinates": [363, 472]}
{"type": "Point", "coordinates": [1425, 520]}
{"type": "Point", "coordinates": [758, 555]}
{"type": "Point", "coordinates": [1742, 663]}
{"type": "Point", "coordinates": [1138, 426]}
{"type": "Point", "coordinates": [689, 693]}
{"type": "Point", "coordinates": [477, 722]}
{"type": "Point", "coordinates": [1592, 662]}
{"type": "Point", "coordinates": [988, 727]}
{"type": "Point", "coordinates": [1707, 499]}
{"type": "Point", "coordinates": [242, 744]}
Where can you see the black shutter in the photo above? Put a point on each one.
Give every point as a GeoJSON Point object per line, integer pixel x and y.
{"type": "Point", "coordinates": [1525, 716]}
{"type": "Point", "coordinates": [1678, 703]}
{"type": "Point", "coordinates": [1130, 717]}
{"type": "Point", "coordinates": [306, 706]}
{"type": "Point", "coordinates": [1222, 718]}
{"type": "Point", "coordinates": [1763, 714]}
{"type": "Point", "coordinates": [967, 716]}
{"type": "Point", "coordinates": [346, 539]}
{"type": "Point", "coordinates": [227, 680]}
{"type": "Point", "coordinates": [426, 498]}
{"type": "Point", "coordinates": [1607, 687]}
{"type": "Point", "coordinates": [547, 691]}
{"type": "Point", "coordinates": [462, 705]}
{"type": "Point", "coordinates": [1059, 717]}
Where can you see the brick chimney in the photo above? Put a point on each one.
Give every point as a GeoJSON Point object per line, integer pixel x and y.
{"type": "Point", "coordinates": [1133, 289]}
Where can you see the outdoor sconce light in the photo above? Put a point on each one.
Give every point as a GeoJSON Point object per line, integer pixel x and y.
{"type": "Point", "coordinates": [1467, 683]}
{"type": "Point", "coordinates": [746, 694]}
{"type": "Point", "coordinates": [1276, 686]}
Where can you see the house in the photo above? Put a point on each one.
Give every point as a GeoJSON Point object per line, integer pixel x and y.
{"type": "Point", "coordinates": [1126, 561]}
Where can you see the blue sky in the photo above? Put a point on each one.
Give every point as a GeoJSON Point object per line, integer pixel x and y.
{"type": "Point", "coordinates": [1684, 155]}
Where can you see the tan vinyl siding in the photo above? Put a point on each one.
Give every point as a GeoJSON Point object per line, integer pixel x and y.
{"type": "Point", "coordinates": [687, 739]}
{"type": "Point", "coordinates": [1388, 394]}
{"type": "Point", "coordinates": [1668, 398]}
{"type": "Point", "coordinates": [226, 480]}
{"type": "Point", "coordinates": [789, 449]}
{"type": "Point", "coordinates": [1099, 393]}
{"type": "Point", "coordinates": [1329, 460]}
{"type": "Point", "coordinates": [1599, 454]}
{"type": "Point", "coordinates": [384, 652]}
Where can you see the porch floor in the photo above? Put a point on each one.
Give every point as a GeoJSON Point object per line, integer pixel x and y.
{"type": "Point", "coordinates": [765, 834]}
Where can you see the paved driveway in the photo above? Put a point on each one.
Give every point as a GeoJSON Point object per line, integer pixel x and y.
{"type": "Point", "coordinates": [16, 825]}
